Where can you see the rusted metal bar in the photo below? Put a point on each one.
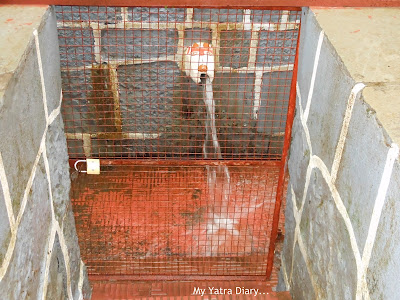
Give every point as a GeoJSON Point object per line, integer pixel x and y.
{"type": "Point", "coordinates": [182, 162]}
{"type": "Point", "coordinates": [284, 4]}
{"type": "Point", "coordinates": [102, 277]}
{"type": "Point", "coordinates": [282, 173]}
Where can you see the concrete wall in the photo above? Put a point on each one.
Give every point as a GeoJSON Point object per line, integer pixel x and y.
{"type": "Point", "coordinates": [342, 215]}
{"type": "Point", "coordinates": [134, 57]}
{"type": "Point", "coordinates": [39, 252]}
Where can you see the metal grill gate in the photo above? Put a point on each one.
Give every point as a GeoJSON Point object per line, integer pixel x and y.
{"type": "Point", "coordinates": [160, 209]}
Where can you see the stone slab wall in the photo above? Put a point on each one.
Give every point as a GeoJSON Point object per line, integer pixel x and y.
{"type": "Point", "coordinates": [39, 252]}
{"type": "Point", "coordinates": [123, 79]}
{"type": "Point", "coordinates": [342, 215]}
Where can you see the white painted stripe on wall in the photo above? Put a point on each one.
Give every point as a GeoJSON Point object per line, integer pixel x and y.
{"type": "Point", "coordinates": [64, 251]}
{"type": "Point", "coordinates": [320, 165]}
{"type": "Point", "coordinates": [358, 87]}
{"type": "Point", "coordinates": [50, 245]}
{"type": "Point", "coordinates": [54, 114]}
{"type": "Point", "coordinates": [80, 282]}
{"type": "Point", "coordinates": [297, 217]}
{"type": "Point", "coordinates": [246, 19]}
{"type": "Point", "coordinates": [284, 20]}
{"type": "Point", "coordinates": [284, 272]}
{"type": "Point", "coordinates": [303, 120]}
{"type": "Point", "coordinates": [15, 223]}
{"type": "Point", "coordinates": [14, 229]}
{"type": "Point", "coordinates": [6, 193]}
{"type": "Point", "coordinates": [299, 240]}
{"type": "Point", "coordinates": [40, 65]}
{"type": "Point", "coordinates": [257, 94]}
{"type": "Point", "coordinates": [314, 73]}
{"type": "Point", "coordinates": [48, 252]}
{"type": "Point", "coordinates": [189, 16]}
{"type": "Point", "coordinates": [393, 153]}
{"type": "Point", "coordinates": [31, 178]}
{"type": "Point", "coordinates": [17, 220]}
{"type": "Point", "coordinates": [303, 251]}
{"type": "Point", "coordinates": [253, 50]}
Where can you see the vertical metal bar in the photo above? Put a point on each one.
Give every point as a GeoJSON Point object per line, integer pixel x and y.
{"type": "Point", "coordinates": [282, 173]}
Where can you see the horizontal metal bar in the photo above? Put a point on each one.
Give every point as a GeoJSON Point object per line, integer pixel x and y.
{"type": "Point", "coordinates": [110, 135]}
{"type": "Point", "coordinates": [176, 277]}
{"type": "Point", "coordinates": [245, 70]}
{"type": "Point", "coordinates": [255, 4]}
{"type": "Point", "coordinates": [183, 162]}
{"type": "Point", "coordinates": [272, 26]}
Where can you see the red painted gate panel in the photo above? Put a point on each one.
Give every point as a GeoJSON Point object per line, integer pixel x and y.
{"type": "Point", "coordinates": [190, 186]}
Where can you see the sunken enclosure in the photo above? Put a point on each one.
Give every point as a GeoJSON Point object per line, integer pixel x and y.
{"type": "Point", "coordinates": [188, 111]}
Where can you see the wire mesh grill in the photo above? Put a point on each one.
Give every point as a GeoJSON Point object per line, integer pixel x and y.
{"type": "Point", "coordinates": [126, 95]}
{"type": "Point", "coordinates": [168, 220]}
{"type": "Point", "coordinates": [127, 98]}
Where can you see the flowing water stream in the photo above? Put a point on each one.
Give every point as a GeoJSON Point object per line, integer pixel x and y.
{"type": "Point", "coordinates": [210, 123]}
{"type": "Point", "coordinates": [213, 151]}
{"type": "Point", "coordinates": [218, 178]}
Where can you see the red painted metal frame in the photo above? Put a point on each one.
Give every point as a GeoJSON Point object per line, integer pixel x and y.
{"type": "Point", "coordinates": [182, 162]}
{"type": "Point", "coordinates": [276, 160]}
{"type": "Point", "coordinates": [213, 3]}
{"type": "Point", "coordinates": [282, 174]}
{"type": "Point", "coordinates": [175, 278]}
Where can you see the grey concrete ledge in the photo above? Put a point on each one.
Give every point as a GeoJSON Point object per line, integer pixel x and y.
{"type": "Point", "coordinates": [368, 42]}
{"type": "Point", "coordinates": [17, 24]}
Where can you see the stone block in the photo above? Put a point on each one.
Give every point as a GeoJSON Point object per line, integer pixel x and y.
{"type": "Point", "coordinates": [309, 36]}
{"type": "Point", "coordinates": [328, 104]}
{"type": "Point", "coordinates": [299, 158]}
{"type": "Point", "coordinates": [5, 229]}
{"type": "Point", "coordinates": [275, 91]}
{"type": "Point", "coordinates": [196, 35]}
{"type": "Point", "coordinates": [384, 266]}
{"type": "Point", "coordinates": [75, 148]}
{"type": "Point", "coordinates": [105, 15]}
{"type": "Point", "coordinates": [301, 283]}
{"type": "Point", "coordinates": [71, 240]}
{"type": "Point", "coordinates": [146, 95]}
{"type": "Point", "coordinates": [58, 163]}
{"type": "Point", "coordinates": [294, 16]}
{"type": "Point", "coordinates": [266, 16]}
{"type": "Point", "coordinates": [50, 60]}
{"type": "Point", "coordinates": [88, 103]}
{"type": "Point", "coordinates": [234, 48]}
{"type": "Point", "coordinates": [287, 251]}
{"type": "Point", "coordinates": [76, 106]}
{"type": "Point", "coordinates": [155, 14]}
{"type": "Point", "coordinates": [361, 168]}
{"type": "Point", "coordinates": [327, 244]}
{"type": "Point", "coordinates": [233, 94]}
{"type": "Point", "coordinates": [145, 44]}
{"type": "Point", "coordinates": [76, 46]}
{"type": "Point", "coordinates": [57, 279]}
{"type": "Point", "coordinates": [217, 15]}
{"type": "Point", "coordinates": [86, 288]}
{"type": "Point", "coordinates": [276, 48]}
{"type": "Point", "coordinates": [23, 276]}
{"type": "Point", "coordinates": [23, 117]}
